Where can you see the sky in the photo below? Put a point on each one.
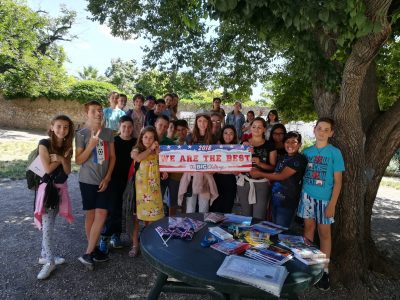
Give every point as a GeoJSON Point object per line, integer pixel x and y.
{"type": "Point", "coordinates": [94, 45]}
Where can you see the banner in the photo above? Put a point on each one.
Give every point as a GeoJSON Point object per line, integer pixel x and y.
{"type": "Point", "coordinates": [205, 158]}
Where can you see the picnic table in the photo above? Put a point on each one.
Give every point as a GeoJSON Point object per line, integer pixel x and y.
{"type": "Point", "coordinates": [186, 267]}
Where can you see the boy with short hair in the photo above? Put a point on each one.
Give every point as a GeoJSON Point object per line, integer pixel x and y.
{"type": "Point", "coordinates": [95, 153]}
{"type": "Point", "coordinates": [123, 144]}
{"type": "Point", "coordinates": [121, 102]}
{"type": "Point", "coordinates": [321, 188]}
{"type": "Point", "coordinates": [112, 114]}
{"type": "Point", "coordinates": [152, 115]}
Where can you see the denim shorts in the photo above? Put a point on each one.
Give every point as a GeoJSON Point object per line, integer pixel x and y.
{"type": "Point", "coordinates": [92, 199]}
{"type": "Point", "coordinates": [310, 208]}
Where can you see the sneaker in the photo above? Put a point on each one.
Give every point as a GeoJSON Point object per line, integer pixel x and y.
{"type": "Point", "coordinates": [323, 284]}
{"type": "Point", "coordinates": [116, 242]}
{"type": "Point", "coordinates": [103, 245]}
{"type": "Point", "coordinates": [87, 260]}
{"type": "Point", "coordinates": [99, 256]}
{"type": "Point", "coordinates": [57, 260]}
{"type": "Point", "coordinates": [46, 271]}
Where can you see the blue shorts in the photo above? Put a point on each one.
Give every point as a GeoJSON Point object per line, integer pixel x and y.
{"type": "Point", "coordinates": [310, 208]}
{"type": "Point", "coordinates": [92, 199]}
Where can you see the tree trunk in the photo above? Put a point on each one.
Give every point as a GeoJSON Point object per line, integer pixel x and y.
{"type": "Point", "coordinates": [358, 126]}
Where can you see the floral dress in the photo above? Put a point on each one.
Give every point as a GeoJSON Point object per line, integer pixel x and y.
{"type": "Point", "coordinates": [148, 190]}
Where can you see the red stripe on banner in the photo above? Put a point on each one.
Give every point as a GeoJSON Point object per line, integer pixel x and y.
{"type": "Point", "coordinates": [106, 154]}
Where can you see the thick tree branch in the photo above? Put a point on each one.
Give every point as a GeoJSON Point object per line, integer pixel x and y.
{"type": "Point", "coordinates": [382, 129]}
{"type": "Point", "coordinates": [368, 101]}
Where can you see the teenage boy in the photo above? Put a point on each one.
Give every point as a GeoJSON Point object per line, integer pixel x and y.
{"type": "Point", "coordinates": [121, 102]}
{"type": "Point", "coordinates": [112, 114]}
{"type": "Point", "coordinates": [161, 125]}
{"type": "Point", "coordinates": [321, 188]}
{"type": "Point", "coordinates": [149, 104]}
{"type": "Point", "coordinates": [96, 156]}
{"type": "Point", "coordinates": [181, 131]}
{"type": "Point", "coordinates": [123, 144]}
{"type": "Point", "coordinates": [152, 115]}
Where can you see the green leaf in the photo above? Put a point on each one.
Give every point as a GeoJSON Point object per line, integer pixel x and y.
{"type": "Point", "coordinates": [323, 15]}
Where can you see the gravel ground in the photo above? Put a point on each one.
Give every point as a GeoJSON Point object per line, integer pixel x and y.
{"type": "Point", "coordinates": [126, 278]}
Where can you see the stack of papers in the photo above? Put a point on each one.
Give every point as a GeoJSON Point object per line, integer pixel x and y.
{"type": "Point", "coordinates": [267, 277]}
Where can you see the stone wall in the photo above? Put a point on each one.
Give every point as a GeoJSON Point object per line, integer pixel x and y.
{"type": "Point", "coordinates": [36, 114]}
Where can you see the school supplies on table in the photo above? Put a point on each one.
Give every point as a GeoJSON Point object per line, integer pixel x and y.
{"type": "Point", "coordinates": [186, 222]}
{"type": "Point", "coordinates": [178, 227]}
{"type": "Point", "coordinates": [237, 219]}
{"type": "Point", "coordinates": [209, 239]}
{"type": "Point", "coordinates": [303, 249]}
{"type": "Point", "coordinates": [269, 227]}
{"type": "Point", "coordinates": [267, 277]}
{"type": "Point", "coordinates": [256, 238]}
{"type": "Point", "coordinates": [213, 217]}
{"type": "Point", "coordinates": [267, 255]}
{"type": "Point", "coordinates": [220, 233]}
{"type": "Point", "coordinates": [230, 246]}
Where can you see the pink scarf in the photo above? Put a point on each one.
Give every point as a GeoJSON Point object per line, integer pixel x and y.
{"type": "Point", "coordinates": [65, 208]}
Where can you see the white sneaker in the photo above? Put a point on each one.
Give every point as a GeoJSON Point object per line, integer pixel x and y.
{"type": "Point", "coordinates": [57, 260]}
{"type": "Point", "coordinates": [46, 271]}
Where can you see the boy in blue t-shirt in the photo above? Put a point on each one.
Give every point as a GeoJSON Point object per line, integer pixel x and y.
{"type": "Point", "coordinates": [321, 188]}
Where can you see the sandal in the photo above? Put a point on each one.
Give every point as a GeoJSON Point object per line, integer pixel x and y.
{"type": "Point", "coordinates": [134, 251]}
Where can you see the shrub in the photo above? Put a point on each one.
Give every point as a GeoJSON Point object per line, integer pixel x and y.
{"type": "Point", "coordinates": [86, 90]}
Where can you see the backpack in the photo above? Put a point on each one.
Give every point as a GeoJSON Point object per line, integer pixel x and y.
{"type": "Point", "coordinates": [32, 179]}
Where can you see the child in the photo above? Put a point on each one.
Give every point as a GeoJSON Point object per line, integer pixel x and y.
{"type": "Point", "coordinates": [236, 118]}
{"type": "Point", "coordinates": [321, 189]}
{"type": "Point", "coordinates": [246, 128]}
{"type": "Point", "coordinates": [181, 129]}
{"type": "Point", "coordinates": [95, 153]}
{"type": "Point", "coordinates": [287, 179]}
{"type": "Point", "coordinates": [276, 136]}
{"type": "Point", "coordinates": [55, 154]}
{"type": "Point", "coordinates": [149, 204]}
{"type": "Point", "coordinates": [226, 182]}
{"type": "Point", "coordinates": [123, 144]}
{"type": "Point", "coordinates": [152, 115]}
{"type": "Point", "coordinates": [198, 185]}
{"type": "Point", "coordinates": [112, 113]}
{"type": "Point", "coordinates": [218, 109]}
{"type": "Point", "coordinates": [137, 114]}
{"type": "Point", "coordinates": [216, 119]}
{"type": "Point", "coordinates": [272, 119]}
{"type": "Point", "coordinates": [254, 194]}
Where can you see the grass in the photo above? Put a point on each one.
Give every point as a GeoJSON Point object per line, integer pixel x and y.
{"type": "Point", "coordinates": [391, 183]}
{"type": "Point", "coordinates": [13, 158]}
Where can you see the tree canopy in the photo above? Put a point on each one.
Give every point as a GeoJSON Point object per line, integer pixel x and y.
{"type": "Point", "coordinates": [30, 61]}
{"type": "Point", "coordinates": [330, 53]}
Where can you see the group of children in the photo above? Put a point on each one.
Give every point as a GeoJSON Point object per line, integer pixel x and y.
{"type": "Point", "coordinates": [277, 187]}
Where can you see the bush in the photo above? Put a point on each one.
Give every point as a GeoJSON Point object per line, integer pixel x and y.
{"type": "Point", "coordinates": [86, 90]}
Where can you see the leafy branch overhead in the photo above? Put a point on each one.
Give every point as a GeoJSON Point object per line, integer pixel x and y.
{"type": "Point", "coordinates": [31, 63]}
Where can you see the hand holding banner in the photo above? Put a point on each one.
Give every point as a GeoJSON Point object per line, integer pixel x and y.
{"type": "Point", "coordinates": [205, 158]}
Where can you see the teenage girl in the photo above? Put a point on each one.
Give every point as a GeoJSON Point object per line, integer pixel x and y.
{"type": "Point", "coordinates": [226, 182]}
{"type": "Point", "coordinates": [254, 194]}
{"type": "Point", "coordinates": [149, 204]}
{"type": "Point", "coordinates": [246, 128]}
{"type": "Point", "coordinates": [276, 137]}
{"type": "Point", "coordinates": [55, 154]}
{"type": "Point", "coordinates": [199, 185]}
{"type": "Point", "coordinates": [287, 180]}
{"type": "Point", "coordinates": [272, 119]}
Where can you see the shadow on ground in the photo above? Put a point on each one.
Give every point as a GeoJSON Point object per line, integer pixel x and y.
{"type": "Point", "coordinates": [122, 277]}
